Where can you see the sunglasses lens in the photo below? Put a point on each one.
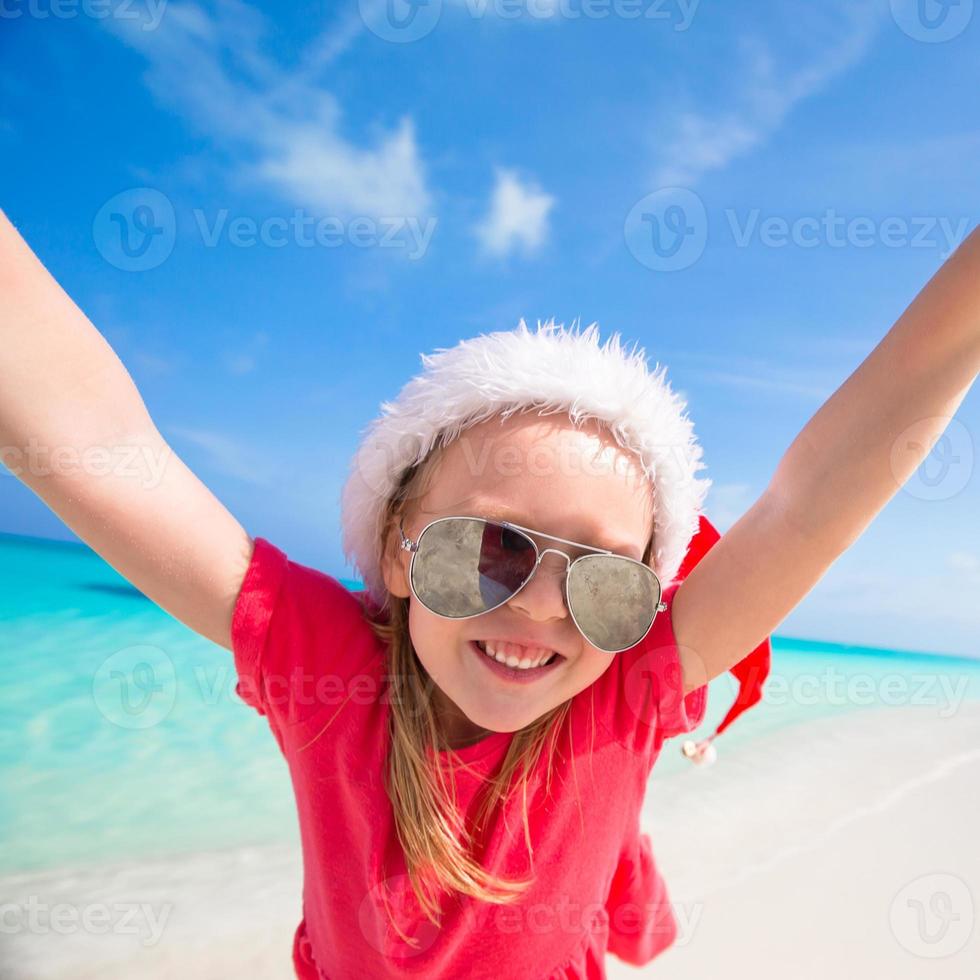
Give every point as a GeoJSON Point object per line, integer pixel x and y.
{"type": "Point", "coordinates": [465, 566]}
{"type": "Point", "coordinates": [614, 600]}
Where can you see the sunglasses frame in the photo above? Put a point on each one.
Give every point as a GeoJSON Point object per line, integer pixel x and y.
{"type": "Point", "coordinates": [407, 544]}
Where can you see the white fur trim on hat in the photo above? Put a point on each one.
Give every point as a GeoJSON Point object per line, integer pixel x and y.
{"type": "Point", "coordinates": [553, 370]}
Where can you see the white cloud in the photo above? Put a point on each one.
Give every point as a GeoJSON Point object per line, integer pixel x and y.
{"type": "Point", "coordinates": [153, 363]}
{"type": "Point", "coordinates": [517, 218]}
{"type": "Point", "coordinates": [770, 381]}
{"type": "Point", "coordinates": [277, 125]}
{"type": "Point", "coordinates": [764, 92]}
{"type": "Point", "coordinates": [311, 163]}
{"type": "Point", "coordinates": [528, 12]}
{"type": "Point", "coordinates": [965, 562]}
{"type": "Point", "coordinates": [238, 363]}
{"type": "Point", "coordinates": [332, 43]}
{"type": "Point", "coordinates": [760, 374]}
{"type": "Point", "coordinates": [935, 611]}
{"type": "Point", "coordinates": [244, 358]}
{"type": "Point", "coordinates": [726, 504]}
{"type": "Point", "coordinates": [226, 455]}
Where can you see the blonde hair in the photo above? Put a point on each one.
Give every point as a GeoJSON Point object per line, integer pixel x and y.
{"type": "Point", "coordinates": [440, 851]}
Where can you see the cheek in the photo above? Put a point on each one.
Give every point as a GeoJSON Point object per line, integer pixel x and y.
{"type": "Point", "coordinates": [435, 640]}
{"type": "Point", "coordinates": [590, 666]}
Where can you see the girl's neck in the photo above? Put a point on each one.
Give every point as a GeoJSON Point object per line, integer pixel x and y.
{"type": "Point", "coordinates": [456, 743]}
{"type": "Point", "coordinates": [460, 732]}
{"type": "Point", "coordinates": [459, 735]}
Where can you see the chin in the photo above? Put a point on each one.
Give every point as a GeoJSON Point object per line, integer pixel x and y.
{"type": "Point", "coordinates": [500, 721]}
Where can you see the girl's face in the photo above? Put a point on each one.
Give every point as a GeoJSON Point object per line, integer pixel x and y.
{"type": "Point", "coordinates": [542, 473]}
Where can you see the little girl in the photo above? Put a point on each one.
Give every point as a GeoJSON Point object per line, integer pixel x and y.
{"type": "Point", "coordinates": [470, 737]}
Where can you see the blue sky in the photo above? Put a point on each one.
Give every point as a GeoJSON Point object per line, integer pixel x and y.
{"type": "Point", "coordinates": [335, 188]}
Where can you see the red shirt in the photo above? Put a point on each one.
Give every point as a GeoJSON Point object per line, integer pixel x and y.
{"type": "Point", "coordinates": [307, 659]}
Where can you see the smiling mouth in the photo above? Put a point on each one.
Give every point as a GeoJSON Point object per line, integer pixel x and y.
{"type": "Point", "coordinates": [500, 654]}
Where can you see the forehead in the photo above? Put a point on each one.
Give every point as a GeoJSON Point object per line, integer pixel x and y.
{"type": "Point", "coordinates": [545, 473]}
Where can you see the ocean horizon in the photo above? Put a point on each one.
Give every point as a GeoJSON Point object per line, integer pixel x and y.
{"type": "Point", "coordinates": [123, 741]}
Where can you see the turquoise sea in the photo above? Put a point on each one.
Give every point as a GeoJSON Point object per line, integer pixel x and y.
{"type": "Point", "coordinates": [121, 737]}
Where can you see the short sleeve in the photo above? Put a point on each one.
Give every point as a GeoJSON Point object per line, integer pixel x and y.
{"type": "Point", "coordinates": [298, 635]}
{"type": "Point", "coordinates": [645, 686]}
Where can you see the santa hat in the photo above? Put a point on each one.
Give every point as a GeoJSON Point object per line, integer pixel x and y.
{"type": "Point", "coordinates": [750, 672]}
{"type": "Point", "coordinates": [552, 370]}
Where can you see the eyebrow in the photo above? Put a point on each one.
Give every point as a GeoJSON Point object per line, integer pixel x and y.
{"type": "Point", "coordinates": [504, 513]}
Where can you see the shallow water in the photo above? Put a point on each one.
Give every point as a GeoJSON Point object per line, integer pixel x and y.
{"type": "Point", "coordinates": [121, 737]}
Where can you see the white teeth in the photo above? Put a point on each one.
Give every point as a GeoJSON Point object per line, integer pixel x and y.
{"type": "Point", "coordinates": [504, 653]}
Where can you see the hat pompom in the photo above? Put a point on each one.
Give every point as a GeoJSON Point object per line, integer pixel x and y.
{"type": "Point", "coordinates": [701, 753]}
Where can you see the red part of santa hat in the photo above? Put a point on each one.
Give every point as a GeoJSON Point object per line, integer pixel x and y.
{"type": "Point", "coordinates": [752, 671]}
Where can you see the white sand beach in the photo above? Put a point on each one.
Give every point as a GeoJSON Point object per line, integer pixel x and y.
{"type": "Point", "coordinates": [844, 847]}
{"type": "Point", "coordinates": [826, 850]}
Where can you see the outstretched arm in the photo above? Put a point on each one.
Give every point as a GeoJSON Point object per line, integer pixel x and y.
{"type": "Point", "coordinates": [74, 429]}
{"type": "Point", "coordinates": [850, 459]}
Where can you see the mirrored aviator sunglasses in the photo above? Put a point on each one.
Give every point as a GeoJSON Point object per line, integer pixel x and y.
{"type": "Point", "coordinates": [466, 566]}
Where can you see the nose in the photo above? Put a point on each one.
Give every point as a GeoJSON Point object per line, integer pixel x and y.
{"type": "Point", "coordinates": [543, 597]}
